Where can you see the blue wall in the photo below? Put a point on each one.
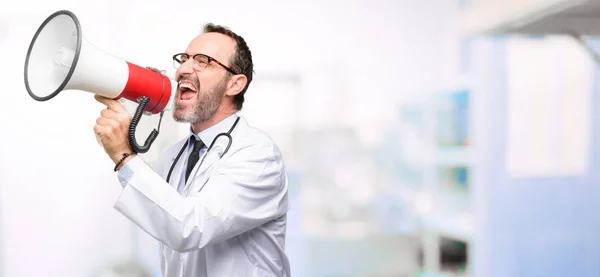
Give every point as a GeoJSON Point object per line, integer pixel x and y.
{"type": "Point", "coordinates": [536, 226]}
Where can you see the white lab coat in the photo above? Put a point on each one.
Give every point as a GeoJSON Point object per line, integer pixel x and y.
{"type": "Point", "coordinates": [230, 219]}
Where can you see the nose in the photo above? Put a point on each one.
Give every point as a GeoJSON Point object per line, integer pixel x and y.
{"type": "Point", "coordinates": [186, 68]}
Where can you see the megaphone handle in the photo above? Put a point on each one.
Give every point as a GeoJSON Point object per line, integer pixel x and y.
{"type": "Point", "coordinates": [143, 102]}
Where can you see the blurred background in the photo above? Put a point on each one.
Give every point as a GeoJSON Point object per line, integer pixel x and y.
{"type": "Point", "coordinates": [423, 138]}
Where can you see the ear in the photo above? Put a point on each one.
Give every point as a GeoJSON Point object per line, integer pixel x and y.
{"type": "Point", "coordinates": [236, 84]}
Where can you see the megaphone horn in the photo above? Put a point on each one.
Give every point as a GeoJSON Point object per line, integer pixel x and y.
{"type": "Point", "coordinates": [60, 58]}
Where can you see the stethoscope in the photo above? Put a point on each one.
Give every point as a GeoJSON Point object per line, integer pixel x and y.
{"type": "Point", "coordinates": [185, 145]}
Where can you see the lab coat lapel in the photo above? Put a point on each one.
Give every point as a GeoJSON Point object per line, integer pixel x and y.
{"type": "Point", "coordinates": [204, 170]}
{"type": "Point", "coordinates": [200, 170]}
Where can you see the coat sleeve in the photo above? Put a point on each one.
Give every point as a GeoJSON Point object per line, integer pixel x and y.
{"type": "Point", "coordinates": [249, 189]}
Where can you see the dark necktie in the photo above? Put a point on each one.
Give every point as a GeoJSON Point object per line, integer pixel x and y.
{"type": "Point", "coordinates": [194, 156]}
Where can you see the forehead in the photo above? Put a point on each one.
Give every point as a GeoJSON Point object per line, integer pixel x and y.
{"type": "Point", "coordinates": [216, 45]}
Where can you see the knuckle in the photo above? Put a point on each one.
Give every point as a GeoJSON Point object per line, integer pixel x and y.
{"type": "Point", "coordinates": [124, 118]}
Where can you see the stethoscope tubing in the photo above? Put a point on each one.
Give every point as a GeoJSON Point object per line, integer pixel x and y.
{"type": "Point", "coordinates": [229, 139]}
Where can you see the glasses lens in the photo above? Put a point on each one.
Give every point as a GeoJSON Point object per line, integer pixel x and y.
{"type": "Point", "coordinates": [182, 57]}
{"type": "Point", "coordinates": [179, 59]}
{"type": "Point", "coordinates": [176, 64]}
{"type": "Point", "coordinates": [202, 60]}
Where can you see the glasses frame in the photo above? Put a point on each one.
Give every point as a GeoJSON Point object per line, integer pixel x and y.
{"type": "Point", "coordinates": [210, 59]}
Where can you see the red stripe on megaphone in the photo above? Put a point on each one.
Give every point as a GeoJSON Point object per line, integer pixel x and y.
{"type": "Point", "coordinates": [145, 82]}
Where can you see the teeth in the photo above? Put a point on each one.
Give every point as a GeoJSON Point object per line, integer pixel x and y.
{"type": "Point", "coordinates": [186, 85]}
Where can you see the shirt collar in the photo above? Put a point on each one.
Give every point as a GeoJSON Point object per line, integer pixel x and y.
{"type": "Point", "coordinates": [208, 135]}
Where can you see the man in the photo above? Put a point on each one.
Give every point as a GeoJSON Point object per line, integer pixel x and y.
{"type": "Point", "coordinates": [222, 211]}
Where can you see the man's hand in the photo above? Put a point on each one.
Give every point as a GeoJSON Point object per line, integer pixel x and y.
{"type": "Point", "coordinates": [156, 70]}
{"type": "Point", "coordinates": [112, 127]}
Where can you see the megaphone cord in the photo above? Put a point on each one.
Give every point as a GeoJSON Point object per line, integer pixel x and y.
{"type": "Point", "coordinates": [143, 102]}
{"type": "Point", "coordinates": [160, 120]}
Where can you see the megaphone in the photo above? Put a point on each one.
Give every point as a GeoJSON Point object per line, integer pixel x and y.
{"type": "Point", "coordinates": [59, 58]}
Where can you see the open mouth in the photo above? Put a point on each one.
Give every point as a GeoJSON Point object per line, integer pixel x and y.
{"type": "Point", "coordinates": [187, 90]}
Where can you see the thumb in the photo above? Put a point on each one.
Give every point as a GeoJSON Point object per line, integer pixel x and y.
{"type": "Point", "coordinates": [110, 103]}
{"type": "Point", "coordinates": [153, 69]}
{"type": "Point", "coordinates": [101, 98]}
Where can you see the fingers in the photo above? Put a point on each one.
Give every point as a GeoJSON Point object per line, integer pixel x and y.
{"type": "Point", "coordinates": [109, 114]}
{"type": "Point", "coordinates": [106, 127]}
{"type": "Point", "coordinates": [153, 69]}
{"type": "Point", "coordinates": [117, 118]}
{"type": "Point", "coordinates": [101, 130]}
{"type": "Point", "coordinates": [163, 72]}
{"type": "Point", "coordinates": [111, 125]}
{"type": "Point", "coordinates": [107, 122]}
{"type": "Point", "coordinates": [110, 103]}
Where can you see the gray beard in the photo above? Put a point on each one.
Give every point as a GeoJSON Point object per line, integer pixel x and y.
{"type": "Point", "coordinates": [204, 108]}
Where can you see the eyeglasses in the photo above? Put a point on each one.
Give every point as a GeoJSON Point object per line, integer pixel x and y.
{"type": "Point", "coordinates": [200, 61]}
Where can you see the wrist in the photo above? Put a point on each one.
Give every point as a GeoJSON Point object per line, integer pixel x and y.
{"type": "Point", "coordinates": [117, 155]}
{"type": "Point", "coordinates": [121, 160]}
